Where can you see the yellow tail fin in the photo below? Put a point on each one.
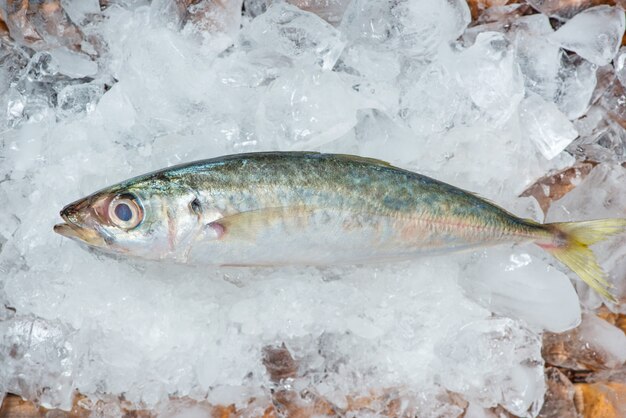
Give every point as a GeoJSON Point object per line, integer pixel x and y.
{"type": "Point", "coordinates": [571, 247]}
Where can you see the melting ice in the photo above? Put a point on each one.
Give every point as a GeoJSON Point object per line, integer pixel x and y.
{"type": "Point", "coordinates": [146, 85]}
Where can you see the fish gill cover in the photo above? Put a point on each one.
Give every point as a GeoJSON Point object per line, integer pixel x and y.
{"type": "Point", "coordinates": [93, 93]}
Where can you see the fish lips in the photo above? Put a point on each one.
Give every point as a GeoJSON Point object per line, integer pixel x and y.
{"type": "Point", "coordinates": [77, 217]}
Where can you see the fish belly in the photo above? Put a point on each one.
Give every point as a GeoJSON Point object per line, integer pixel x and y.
{"type": "Point", "coordinates": [333, 237]}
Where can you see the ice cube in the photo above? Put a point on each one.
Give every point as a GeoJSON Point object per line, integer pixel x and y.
{"type": "Point", "coordinates": [305, 110]}
{"type": "Point", "coordinates": [538, 58]}
{"type": "Point", "coordinates": [115, 105]}
{"type": "Point", "coordinates": [329, 10]}
{"type": "Point", "coordinates": [594, 345]}
{"type": "Point", "coordinates": [544, 125]}
{"type": "Point", "coordinates": [516, 283]}
{"type": "Point", "coordinates": [434, 102]}
{"type": "Point", "coordinates": [253, 8]}
{"type": "Point", "coordinates": [38, 360]}
{"type": "Point", "coordinates": [42, 25]}
{"type": "Point", "coordinates": [78, 10]}
{"type": "Point", "coordinates": [372, 64]}
{"type": "Point", "coordinates": [555, 185]}
{"type": "Point", "coordinates": [605, 143]}
{"type": "Point", "coordinates": [613, 101]}
{"type": "Point", "coordinates": [489, 345]}
{"type": "Point", "coordinates": [499, 12]}
{"type": "Point", "coordinates": [595, 34]}
{"type": "Point", "coordinates": [33, 90]}
{"type": "Point", "coordinates": [511, 26]}
{"type": "Point", "coordinates": [562, 10]}
{"type": "Point", "coordinates": [491, 76]}
{"type": "Point", "coordinates": [41, 67]}
{"type": "Point", "coordinates": [211, 17]}
{"type": "Point", "coordinates": [294, 33]}
{"type": "Point", "coordinates": [75, 99]}
{"type": "Point", "coordinates": [577, 81]}
{"type": "Point", "coordinates": [620, 65]}
{"type": "Point", "coordinates": [169, 13]}
{"type": "Point", "coordinates": [377, 135]}
{"type": "Point", "coordinates": [537, 25]}
{"type": "Point", "coordinates": [444, 20]}
{"type": "Point", "coordinates": [559, 400]}
{"type": "Point", "coordinates": [33, 107]}
{"type": "Point", "coordinates": [73, 64]}
{"type": "Point", "coordinates": [420, 27]}
{"type": "Point", "coordinates": [368, 20]}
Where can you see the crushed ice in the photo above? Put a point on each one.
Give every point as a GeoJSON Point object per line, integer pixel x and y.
{"type": "Point", "coordinates": [488, 108]}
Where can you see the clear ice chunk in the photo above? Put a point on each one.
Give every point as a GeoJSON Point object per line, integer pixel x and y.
{"type": "Point", "coordinates": [33, 105]}
{"type": "Point", "coordinates": [519, 284]}
{"type": "Point", "coordinates": [559, 400]}
{"type": "Point", "coordinates": [254, 8]}
{"type": "Point", "coordinates": [443, 20]}
{"type": "Point", "coordinates": [79, 98]}
{"type": "Point", "coordinates": [301, 36]}
{"type": "Point", "coordinates": [42, 25]}
{"type": "Point", "coordinates": [611, 133]}
{"type": "Point", "coordinates": [559, 9]}
{"type": "Point", "coordinates": [73, 64]}
{"type": "Point", "coordinates": [78, 10]}
{"type": "Point", "coordinates": [368, 21]}
{"type": "Point", "coordinates": [329, 10]}
{"type": "Point", "coordinates": [168, 13]}
{"type": "Point", "coordinates": [594, 345]}
{"type": "Point", "coordinates": [577, 81]}
{"type": "Point", "coordinates": [115, 105]}
{"type": "Point", "coordinates": [435, 102]}
{"type": "Point", "coordinates": [215, 18]}
{"type": "Point", "coordinates": [42, 66]}
{"type": "Point", "coordinates": [545, 126]}
{"type": "Point", "coordinates": [377, 135]}
{"type": "Point", "coordinates": [491, 76]}
{"type": "Point", "coordinates": [538, 58]}
{"type": "Point", "coordinates": [37, 360]}
{"type": "Point", "coordinates": [377, 65]}
{"type": "Point", "coordinates": [35, 90]}
{"type": "Point", "coordinates": [305, 110]}
{"type": "Point", "coordinates": [490, 345]}
{"type": "Point", "coordinates": [418, 27]}
{"type": "Point", "coordinates": [620, 65]}
{"type": "Point", "coordinates": [595, 34]}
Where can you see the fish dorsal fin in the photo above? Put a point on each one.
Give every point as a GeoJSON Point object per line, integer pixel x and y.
{"type": "Point", "coordinates": [346, 157]}
{"type": "Point", "coordinates": [365, 160]}
{"type": "Point", "coordinates": [247, 225]}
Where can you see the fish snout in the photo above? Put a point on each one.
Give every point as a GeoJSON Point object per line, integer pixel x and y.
{"type": "Point", "coordinates": [70, 213]}
{"type": "Point", "coordinates": [82, 212]}
{"type": "Point", "coordinates": [79, 224]}
{"type": "Point", "coordinates": [74, 221]}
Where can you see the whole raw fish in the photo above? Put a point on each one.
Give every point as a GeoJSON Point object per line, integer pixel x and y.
{"type": "Point", "coordinates": [305, 208]}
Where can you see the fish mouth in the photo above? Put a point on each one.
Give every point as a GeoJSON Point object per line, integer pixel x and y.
{"type": "Point", "coordinates": [88, 236]}
{"type": "Point", "coordinates": [70, 229]}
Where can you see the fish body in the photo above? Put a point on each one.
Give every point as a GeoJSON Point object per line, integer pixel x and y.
{"type": "Point", "coordinates": [303, 208]}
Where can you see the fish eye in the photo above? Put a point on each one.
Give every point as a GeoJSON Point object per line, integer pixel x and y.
{"type": "Point", "coordinates": [125, 211]}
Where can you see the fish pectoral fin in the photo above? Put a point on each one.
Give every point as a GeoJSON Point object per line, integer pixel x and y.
{"type": "Point", "coordinates": [247, 225]}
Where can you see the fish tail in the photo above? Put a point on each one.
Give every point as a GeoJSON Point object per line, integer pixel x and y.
{"type": "Point", "coordinates": [570, 245]}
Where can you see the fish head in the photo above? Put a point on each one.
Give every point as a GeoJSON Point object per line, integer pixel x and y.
{"type": "Point", "coordinates": [147, 219]}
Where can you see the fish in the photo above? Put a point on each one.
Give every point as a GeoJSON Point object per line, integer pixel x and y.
{"type": "Point", "coordinates": [314, 209]}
